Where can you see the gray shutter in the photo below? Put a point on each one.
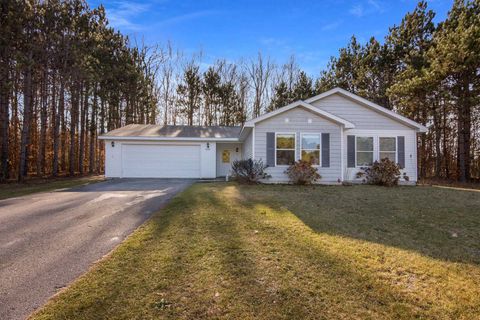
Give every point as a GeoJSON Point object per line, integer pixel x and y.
{"type": "Point", "coordinates": [401, 151]}
{"type": "Point", "coordinates": [351, 151]}
{"type": "Point", "coordinates": [325, 150]}
{"type": "Point", "coordinates": [271, 149]}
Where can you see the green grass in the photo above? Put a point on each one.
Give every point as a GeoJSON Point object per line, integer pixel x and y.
{"type": "Point", "coordinates": [10, 190]}
{"type": "Point", "coordinates": [284, 252]}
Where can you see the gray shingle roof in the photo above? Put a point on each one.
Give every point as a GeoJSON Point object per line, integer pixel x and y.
{"type": "Point", "coordinates": [154, 131]}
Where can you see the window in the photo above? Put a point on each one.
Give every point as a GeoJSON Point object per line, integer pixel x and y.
{"type": "Point", "coordinates": [311, 148]}
{"type": "Point", "coordinates": [388, 148]}
{"type": "Point", "coordinates": [226, 156]}
{"type": "Point", "coordinates": [364, 151]}
{"type": "Point", "coordinates": [285, 149]}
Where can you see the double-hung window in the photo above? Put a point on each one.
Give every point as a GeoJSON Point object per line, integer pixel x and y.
{"type": "Point", "coordinates": [364, 150]}
{"type": "Point", "coordinates": [388, 148]}
{"type": "Point", "coordinates": [285, 149]}
{"type": "Point", "coordinates": [311, 148]}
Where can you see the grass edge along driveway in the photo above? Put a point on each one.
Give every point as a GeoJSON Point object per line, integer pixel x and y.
{"type": "Point", "coordinates": [12, 190]}
{"type": "Point", "coordinates": [283, 252]}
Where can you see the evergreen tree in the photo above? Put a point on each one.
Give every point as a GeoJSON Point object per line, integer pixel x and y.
{"type": "Point", "coordinates": [189, 92]}
{"type": "Point", "coordinates": [303, 88]}
{"type": "Point", "coordinates": [281, 96]}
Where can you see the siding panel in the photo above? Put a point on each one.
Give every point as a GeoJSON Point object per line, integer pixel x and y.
{"type": "Point", "coordinates": [361, 116]}
{"type": "Point", "coordinates": [298, 123]}
{"type": "Point", "coordinates": [247, 146]}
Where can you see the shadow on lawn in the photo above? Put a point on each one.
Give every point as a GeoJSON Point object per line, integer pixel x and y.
{"type": "Point", "coordinates": [439, 223]}
{"type": "Point", "coordinates": [279, 277]}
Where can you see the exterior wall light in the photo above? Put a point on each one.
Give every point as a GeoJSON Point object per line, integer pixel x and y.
{"type": "Point", "coordinates": [236, 149]}
{"type": "Point", "coordinates": [113, 144]}
{"type": "Point", "coordinates": [208, 145]}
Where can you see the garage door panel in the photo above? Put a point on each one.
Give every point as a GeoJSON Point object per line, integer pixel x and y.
{"type": "Point", "coordinates": [160, 161]}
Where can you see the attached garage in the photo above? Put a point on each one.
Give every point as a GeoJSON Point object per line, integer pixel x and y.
{"type": "Point", "coordinates": [160, 161]}
{"type": "Point", "coordinates": [155, 151]}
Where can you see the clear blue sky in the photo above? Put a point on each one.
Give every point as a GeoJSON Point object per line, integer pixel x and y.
{"type": "Point", "coordinates": [311, 30]}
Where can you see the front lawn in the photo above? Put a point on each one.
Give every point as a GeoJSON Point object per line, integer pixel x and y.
{"type": "Point", "coordinates": [285, 252]}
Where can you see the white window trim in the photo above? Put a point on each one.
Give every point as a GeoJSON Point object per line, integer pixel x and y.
{"type": "Point", "coordinates": [396, 147]}
{"type": "Point", "coordinates": [319, 150]}
{"type": "Point", "coordinates": [376, 147]}
{"type": "Point", "coordinates": [373, 151]}
{"type": "Point", "coordinates": [295, 148]}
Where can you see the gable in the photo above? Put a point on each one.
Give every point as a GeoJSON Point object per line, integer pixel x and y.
{"type": "Point", "coordinates": [362, 116]}
{"type": "Point", "coordinates": [298, 118]}
{"type": "Point", "coordinates": [306, 106]}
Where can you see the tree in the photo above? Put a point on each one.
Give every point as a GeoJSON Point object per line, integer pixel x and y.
{"type": "Point", "coordinates": [259, 72]}
{"type": "Point", "coordinates": [189, 92]}
{"type": "Point", "coordinates": [211, 93]}
{"type": "Point", "coordinates": [456, 61]}
{"type": "Point", "coordinates": [303, 88]}
{"type": "Point", "coordinates": [281, 97]}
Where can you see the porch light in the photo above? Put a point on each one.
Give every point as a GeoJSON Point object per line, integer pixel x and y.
{"type": "Point", "coordinates": [236, 149]}
{"type": "Point", "coordinates": [113, 144]}
{"type": "Point", "coordinates": [208, 145]}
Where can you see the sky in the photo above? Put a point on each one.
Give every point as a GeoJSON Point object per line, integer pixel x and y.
{"type": "Point", "coordinates": [313, 31]}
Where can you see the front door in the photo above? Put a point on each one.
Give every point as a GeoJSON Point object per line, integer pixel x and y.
{"type": "Point", "coordinates": [226, 155]}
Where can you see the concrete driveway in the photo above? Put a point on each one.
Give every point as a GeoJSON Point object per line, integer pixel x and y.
{"type": "Point", "coordinates": [49, 239]}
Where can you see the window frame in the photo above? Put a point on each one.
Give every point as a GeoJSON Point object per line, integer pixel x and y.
{"type": "Point", "coordinates": [294, 147]}
{"type": "Point", "coordinates": [396, 147]}
{"type": "Point", "coordinates": [229, 156]}
{"type": "Point", "coordinates": [319, 149]}
{"type": "Point", "coordinates": [356, 150]}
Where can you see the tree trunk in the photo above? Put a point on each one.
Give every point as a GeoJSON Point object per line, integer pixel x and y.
{"type": "Point", "coordinates": [73, 125]}
{"type": "Point", "coordinates": [446, 155]}
{"type": "Point", "coordinates": [43, 128]}
{"type": "Point", "coordinates": [438, 139]}
{"type": "Point", "coordinates": [56, 129]}
{"type": "Point", "coordinates": [27, 105]}
{"type": "Point", "coordinates": [84, 109]}
{"type": "Point", "coordinates": [91, 167]}
{"type": "Point", "coordinates": [463, 133]}
{"type": "Point", "coordinates": [4, 122]}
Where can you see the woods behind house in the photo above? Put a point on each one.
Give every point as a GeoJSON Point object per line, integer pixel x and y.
{"type": "Point", "coordinates": [66, 77]}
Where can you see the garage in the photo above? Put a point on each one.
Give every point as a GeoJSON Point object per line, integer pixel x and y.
{"type": "Point", "coordinates": [160, 161]}
{"type": "Point", "coordinates": [158, 151]}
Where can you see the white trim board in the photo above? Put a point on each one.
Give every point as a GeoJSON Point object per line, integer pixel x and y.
{"type": "Point", "coordinates": [140, 138]}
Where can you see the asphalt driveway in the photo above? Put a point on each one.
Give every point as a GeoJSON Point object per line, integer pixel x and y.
{"type": "Point", "coordinates": [49, 239]}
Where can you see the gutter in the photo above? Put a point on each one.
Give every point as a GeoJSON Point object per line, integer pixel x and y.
{"type": "Point", "coordinates": [140, 138]}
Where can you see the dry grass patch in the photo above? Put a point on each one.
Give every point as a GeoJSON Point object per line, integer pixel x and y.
{"type": "Point", "coordinates": [286, 252]}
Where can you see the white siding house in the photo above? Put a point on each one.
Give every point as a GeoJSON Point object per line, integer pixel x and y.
{"type": "Point", "coordinates": [339, 132]}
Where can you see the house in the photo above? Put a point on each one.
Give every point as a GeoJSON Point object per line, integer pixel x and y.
{"type": "Point", "coordinates": [338, 131]}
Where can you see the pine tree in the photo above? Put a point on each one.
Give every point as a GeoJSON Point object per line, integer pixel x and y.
{"type": "Point", "coordinates": [189, 92]}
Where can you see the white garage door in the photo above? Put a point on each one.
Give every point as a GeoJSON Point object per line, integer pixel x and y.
{"type": "Point", "coordinates": [160, 161]}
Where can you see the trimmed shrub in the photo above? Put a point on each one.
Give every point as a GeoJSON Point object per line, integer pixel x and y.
{"type": "Point", "coordinates": [384, 173]}
{"type": "Point", "coordinates": [249, 171]}
{"type": "Point", "coordinates": [302, 172]}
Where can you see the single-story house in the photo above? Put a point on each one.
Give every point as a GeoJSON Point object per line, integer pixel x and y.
{"type": "Point", "coordinates": [337, 130]}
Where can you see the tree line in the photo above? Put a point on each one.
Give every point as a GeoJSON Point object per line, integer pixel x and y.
{"type": "Point", "coordinates": [67, 77]}
{"type": "Point", "coordinates": [430, 73]}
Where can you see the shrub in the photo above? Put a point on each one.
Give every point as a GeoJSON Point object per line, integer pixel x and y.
{"type": "Point", "coordinates": [302, 172]}
{"type": "Point", "coordinates": [383, 173]}
{"type": "Point", "coordinates": [249, 171]}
